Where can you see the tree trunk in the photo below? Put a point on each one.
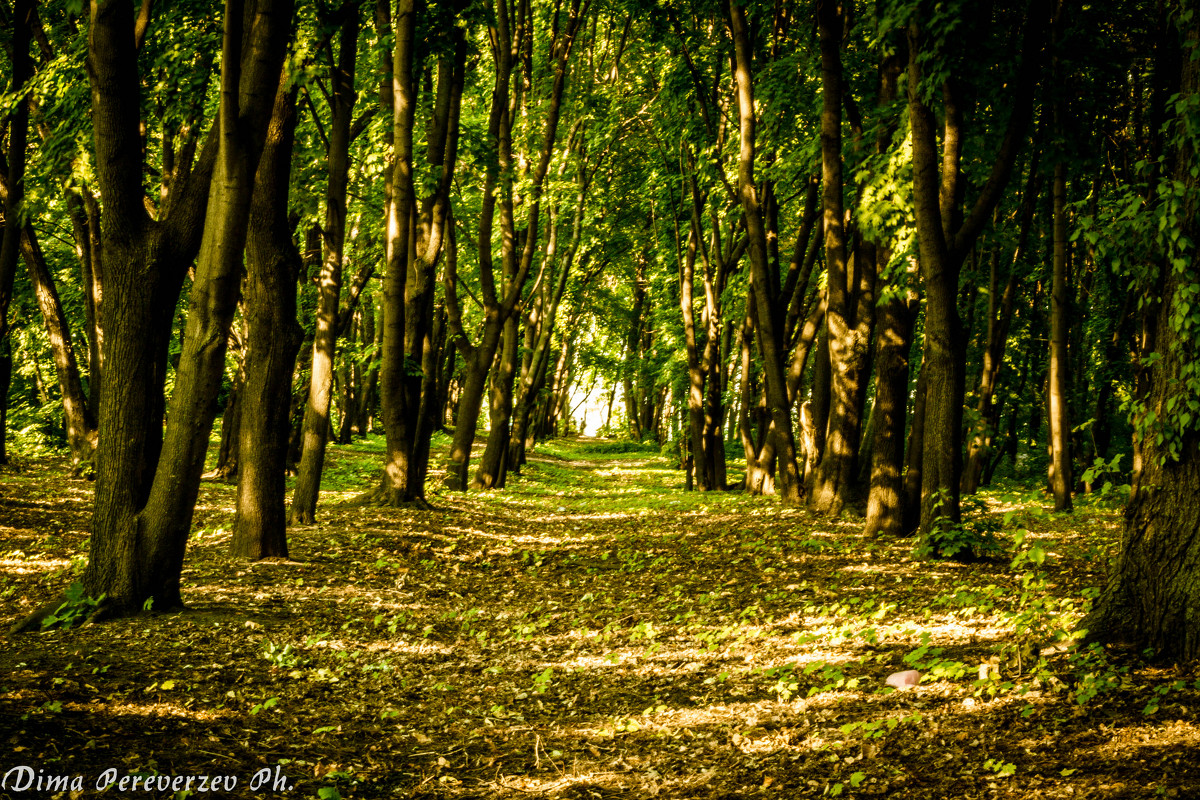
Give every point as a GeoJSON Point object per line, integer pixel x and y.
{"type": "Point", "coordinates": [273, 340]}
{"type": "Point", "coordinates": [533, 380]}
{"type": "Point", "coordinates": [773, 349]}
{"type": "Point", "coordinates": [944, 239]}
{"type": "Point", "coordinates": [10, 241]}
{"type": "Point", "coordinates": [849, 314]}
{"type": "Point", "coordinates": [143, 506]}
{"type": "Point", "coordinates": [329, 285]}
{"type": "Point", "coordinates": [81, 423]}
{"type": "Point", "coordinates": [231, 419]}
{"type": "Point", "coordinates": [517, 247]}
{"type": "Point", "coordinates": [914, 452]}
{"type": "Point", "coordinates": [492, 469]}
{"type": "Point", "coordinates": [1154, 588]}
{"type": "Point", "coordinates": [1059, 417]}
{"type": "Point", "coordinates": [695, 372]}
{"type": "Point", "coordinates": [416, 229]}
{"type": "Point", "coordinates": [893, 343]}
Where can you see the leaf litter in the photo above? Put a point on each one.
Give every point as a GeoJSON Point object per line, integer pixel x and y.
{"type": "Point", "coordinates": [592, 631]}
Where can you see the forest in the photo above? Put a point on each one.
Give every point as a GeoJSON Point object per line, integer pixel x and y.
{"type": "Point", "coordinates": [600, 398]}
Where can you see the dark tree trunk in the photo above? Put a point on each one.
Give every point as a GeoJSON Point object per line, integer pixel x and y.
{"type": "Point", "coordinates": [945, 237]}
{"type": "Point", "coordinates": [81, 423]}
{"type": "Point", "coordinates": [416, 231]}
{"type": "Point", "coordinates": [820, 398]}
{"type": "Point", "coordinates": [273, 339]}
{"type": "Point", "coordinates": [350, 380]}
{"type": "Point", "coordinates": [1059, 416]}
{"type": "Point", "coordinates": [492, 468]}
{"type": "Point", "coordinates": [10, 241]}
{"type": "Point", "coordinates": [893, 343]}
{"type": "Point", "coordinates": [517, 247]}
{"type": "Point", "coordinates": [143, 513]}
{"type": "Point", "coordinates": [5, 383]}
{"type": "Point", "coordinates": [914, 452]}
{"type": "Point", "coordinates": [1154, 587]}
{"type": "Point", "coordinates": [231, 420]}
{"type": "Point", "coordinates": [632, 364]}
{"type": "Point", "coordinates": [849, 314]}
{"type": "Point", "coordinates": [533, 379]}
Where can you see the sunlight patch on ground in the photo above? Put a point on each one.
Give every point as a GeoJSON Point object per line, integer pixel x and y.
{"type": "Point", "coordinates": [28, 566]}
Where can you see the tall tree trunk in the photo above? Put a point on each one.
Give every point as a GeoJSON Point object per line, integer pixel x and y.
{"type": "Point", "coordinates": [491, 474]}
{"type": "Point", "coordinates": [849, 314]}
{"type": "Point", "coordinates": [81, 423]}
{"type": "Point", "coordinates": [632, 347]}
{"type": "Point", "coordinates": [10, 241]}
{"type": "Point", "coordinates": [1154, 587]}
{"type": "Point", "coordinates": [773, 350]}
{"type": "Point", "coordinates": [273, 340]}
{"type": "Point", "coordinates": [533, 380]}
{"type": "Point", "coordinates": [231, 418]}
{"type": "Point", "coordinates": [329, 285]}
{"type": "Point", "coordinates": [893, 343]}
{"type": "Point", "coordinates": [517, 249]}
{"type": "Point", "coordinates": [1059, 418]}
{"type": "Point", "coordinates": [913, 455]}
{"type": "Point", "coordinates": [416, 229]}
{"type": "Point", "coordinates": [944, 239]}
{"type": "Point", "coordinates": [695, 371]}
{"type": "Point", "coordinates": [144, 506]}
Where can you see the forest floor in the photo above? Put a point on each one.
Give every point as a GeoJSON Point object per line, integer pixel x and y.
{"type": "Point", "coordinates": [592, 631]}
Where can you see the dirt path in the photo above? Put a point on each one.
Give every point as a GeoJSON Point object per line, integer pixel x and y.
{"type": "Point", "coordinates": [591, 632]}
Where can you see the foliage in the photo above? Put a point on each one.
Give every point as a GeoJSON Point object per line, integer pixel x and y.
{"type": "Point", "coordinates": [75, 610]}
{"type": "Point", "coordinates": [971, 539]}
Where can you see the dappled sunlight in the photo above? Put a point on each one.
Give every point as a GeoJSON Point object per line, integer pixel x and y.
{"type": "Point", "coordinates": [31, 566]}
{"type": "Point", "coordinates": [606, 635]}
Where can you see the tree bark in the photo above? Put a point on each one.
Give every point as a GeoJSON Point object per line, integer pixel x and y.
{"type": "Point", "coordinates": [144, 506]}
{"type": "Point", "coordinates": [1154, 588]}
{"type": "Point", "coordinates": [416, 229]}
{"type": "Point", "coordinates": [849, 314]}
{"type": "Point", "coordinates": [773, 353]}
{"type": "Point", "coordinates": [231, 419]}
{"type": "Point", "coordinates": [10, 241]}
{"type": "Point", "coordinates": [893, 343]}
{"type": "Point", "coordinates": [273, 339]}
{"type": "Point", "coordinates": [1059, 416]}
{"type": "Point", "coordinates": [329, 285]}
{"type": "Point", "coordinates": [945, 238]}
{"type": "Point", "coordinates": [516, 256]}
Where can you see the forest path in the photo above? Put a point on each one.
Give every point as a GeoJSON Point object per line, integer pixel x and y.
{"type": "Point", "coordinates": [592, 631]}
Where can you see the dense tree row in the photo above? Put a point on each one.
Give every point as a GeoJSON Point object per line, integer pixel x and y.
{"type": "Point", "coordinates": [892, 249]}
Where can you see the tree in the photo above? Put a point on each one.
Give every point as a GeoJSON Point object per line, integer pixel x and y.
{"type": "Point", "coordinates": [1154, 585]}
{"type": "Point", "coordinates": [273, 338]}
{"type": "Point", "coordinates": [316, 410]}
{"type": "Point", "coordinates": [946, 235]}
{"type": "Point", "coordinates": [18, 127]}
{"type": "Point", "coordinates": [144, 502]}
{"type": "Point", "coordinates": [416, 230]}
{"type": "Point", "coordinates": [849, 315]}
{"type": "Point", "coordinates": [769, 339]}
{"type": "Point", "coordinates": [1057, 410]}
